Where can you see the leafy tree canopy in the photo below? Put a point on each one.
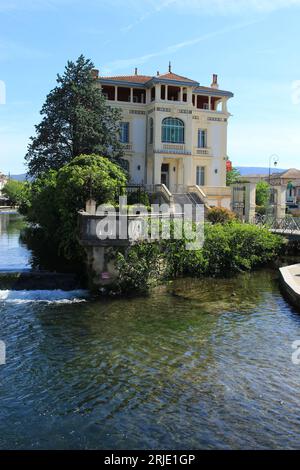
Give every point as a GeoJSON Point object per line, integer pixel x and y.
{"type": "Point", "coordinates": [16, 191]}
{"type": "Point", "coordinates": [76, 121]}
{"type": "Point", "coordinates": [57, 196]}
{"type": "Point", "coordinates": [262, 193]}
{"type": "Point", "coordinates": [233, 176]}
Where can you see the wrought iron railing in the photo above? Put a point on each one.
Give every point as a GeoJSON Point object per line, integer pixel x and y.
{"type": "Point", "coordinates": [287, 224]}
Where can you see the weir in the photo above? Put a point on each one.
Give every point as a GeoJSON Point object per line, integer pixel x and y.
{"type": "Point", "coordinates": [38, 280]}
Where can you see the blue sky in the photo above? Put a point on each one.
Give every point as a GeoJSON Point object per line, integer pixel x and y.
{"type": "Point", "coordinates": [252, 45]}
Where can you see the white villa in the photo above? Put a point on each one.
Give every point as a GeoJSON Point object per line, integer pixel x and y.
{"type": "Point", "coordinates": [174, 132]}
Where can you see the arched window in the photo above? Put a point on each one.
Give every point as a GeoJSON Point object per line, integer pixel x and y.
{"type": "Point", "coordinates": [151, 131]}
{"type": "Point", "coordinates": [172, 131]}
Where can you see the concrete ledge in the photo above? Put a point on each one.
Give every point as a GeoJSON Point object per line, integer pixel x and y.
{"type": "Point", "coordinates": [38, 280]}
{"type": "Point", "coordinates": [290, 281]}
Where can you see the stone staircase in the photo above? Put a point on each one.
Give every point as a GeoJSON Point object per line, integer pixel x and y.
{"type": "Point", "coordinates": [181, 199]}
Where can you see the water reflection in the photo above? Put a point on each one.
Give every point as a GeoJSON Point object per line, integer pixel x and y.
{"type": "Point", "coordinates": [14, 255]}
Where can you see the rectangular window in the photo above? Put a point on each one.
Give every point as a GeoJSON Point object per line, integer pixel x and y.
{"type": "Point", "coordinates": [200, 176]}
{"type": "Point", "coordinates": [124, 132]}
{"type": "Point", "coordinates": [202, 138]}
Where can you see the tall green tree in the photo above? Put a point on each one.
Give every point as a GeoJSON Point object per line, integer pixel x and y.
{"type": "Point", "coordinates": [76, 121]}
{"type": "Point", "coordinates": [262, 193]}
{"type": "Point", "coordinates": [232, 176]}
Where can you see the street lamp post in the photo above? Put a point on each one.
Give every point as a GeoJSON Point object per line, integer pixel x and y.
{"type": "Point", "coordinates": [275, 159]}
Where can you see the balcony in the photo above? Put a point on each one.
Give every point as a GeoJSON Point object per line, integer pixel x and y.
{"type": "Point", "coordinates": [203, 152]}
{"type": "Point", "coordinates": [128, 148]}
{"type": "Point", "coordinates": [179, 149]}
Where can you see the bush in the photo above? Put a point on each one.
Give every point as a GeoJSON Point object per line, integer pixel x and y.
{"type": "Point", "coordinates": [57, 196]}
{"type": "Point", "coordinates": [227, 249]}
{"type": "Point", "coordinates": [139, 268]}
{"type": "Point", "coordinates": [252, 246]}
{"type": "Point", "coordinates": [17, 192]}
{"type": "Point", "coordinates": [220, 215]}
{"type": "Point", "coordinates": [137, 197]}
{"type": "Point", "coordinates": [178, 261]}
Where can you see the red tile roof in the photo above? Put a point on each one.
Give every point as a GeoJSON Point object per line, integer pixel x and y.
{"type": "Point", "coordinates": [174, 76]}
{"type": "Point", "coordinates": [143, 79]}
{"type": "Point", "coordinates": [146, 78]}
{"type": "Point", "coordinates": [129, 78]}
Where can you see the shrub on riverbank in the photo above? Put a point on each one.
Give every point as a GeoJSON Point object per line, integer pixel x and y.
{"type": "Point", "coordinates": [220, 215]}
{"type": "Point", "coordinates": [227, 249]}
{"type": "Point", "coordinates": [57, 196]}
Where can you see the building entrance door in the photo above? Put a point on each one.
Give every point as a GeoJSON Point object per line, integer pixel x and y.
{"type": "Point", "coordinates": [165, 174]}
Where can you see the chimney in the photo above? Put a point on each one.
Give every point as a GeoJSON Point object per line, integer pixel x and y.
{"type": "Point", "coordinates": [215, 81]}
{"type": "Point", "coordinates": [135, 71]}
{"type": "Point", "coordinates": [95, 74]}
{"type": "Point", "coordinates": [157, 73]}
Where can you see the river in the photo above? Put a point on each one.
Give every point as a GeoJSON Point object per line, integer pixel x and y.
{"type": "Point", "coordinates": [199, 364]}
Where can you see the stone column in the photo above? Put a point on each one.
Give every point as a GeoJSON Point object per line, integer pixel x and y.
{"type": "Point", "coordinates": [188, 177]}
{"type": "Point", "coordinates": [157, 169]}
{"type": "Point", "coordinates": [90, 207]}
{"type": "Point", "coordinates": [281, 202]}
{"type": "Point", "coordinates": [180, 170]}
{"type": "Point", "coordinates": [250, 202]}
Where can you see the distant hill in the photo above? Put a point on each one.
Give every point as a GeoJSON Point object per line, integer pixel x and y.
{"type": "Point", "coordinates": [257, 170]}
{"type": "Point", "coordinates": [18, 177]}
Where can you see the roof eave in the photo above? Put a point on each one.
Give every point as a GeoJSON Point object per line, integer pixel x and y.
{"type": "Point", "coordinates": [168, 81]}
{"type": "Point", "coordinates": [108, 81]}
{"type": "Point", "coordinates": [214, 92]}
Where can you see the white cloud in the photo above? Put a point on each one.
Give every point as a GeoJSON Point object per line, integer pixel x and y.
{"type": "Point", "coordinates": [15, 5]}
{"type": "Point", "coordinates": [208, 7]}
{"type": "Point", "coordinates": [172, 49]}
{"type": "Point", "coordinates": [222, 7]}
{"type": "Point", "coordinates": [225, 7]}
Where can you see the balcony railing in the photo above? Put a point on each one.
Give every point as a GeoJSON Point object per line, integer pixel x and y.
{"type": "Point", "coordinates": [127, 147]}
{"type": "Point", "coordinates": [205, 151]}
{"type": "Point", "coordinates": [178, 149]}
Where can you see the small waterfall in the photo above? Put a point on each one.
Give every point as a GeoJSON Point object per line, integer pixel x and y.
{"type": "Point", "coordinates": [47, 296]}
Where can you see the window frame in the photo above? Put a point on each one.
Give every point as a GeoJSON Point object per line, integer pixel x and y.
{"type": "Point", "coordinates": [200, 175]}
{"type": "Point", "coordinates": [202, 138]}
{"type": "Point", "coordinates": [172, 131]}
{"type": "Point", "coordinates": [124, 134]}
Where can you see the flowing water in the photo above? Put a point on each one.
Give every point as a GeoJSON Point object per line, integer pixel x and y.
{"type": "Point", "coordinates": [198, 364]}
